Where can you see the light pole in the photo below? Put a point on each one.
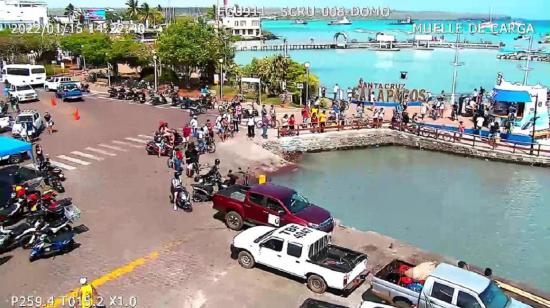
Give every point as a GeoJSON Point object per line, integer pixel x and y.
{"type": "Point", "coordinates": [307, 64]}
{"type": "Point", "coordinates": [526, 68]}
{"type": "Point", "coordinates": [534, 124]}
{"type": "Point", "coordinates": [83, 58]}
{"type": "Point", "coordinates": [221, 78]}
{"type": "Point", "coordinates": [156, 73]}
{"type": "Point", "coordinates": [455, 64]}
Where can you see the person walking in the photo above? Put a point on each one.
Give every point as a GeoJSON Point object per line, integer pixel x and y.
{"type": "Point", "coordinates": [461, 129]}
{"type": "Point", "coordinates": [335, 91]}
{"type": "Point", "coordinates": [265, 125]}
{"type": "Point", "coordinates": [305, 115]}
{"type": "Point", "coordinates": [250, 124]}
{"type": "Point", "coordinates": [87, 294]}
{"type": "Point", "coordinates": [49, 122]}
{"type": "Point", "coordinates": [423, 111]}
{"type": "Point", "coordinates": [322, 121]}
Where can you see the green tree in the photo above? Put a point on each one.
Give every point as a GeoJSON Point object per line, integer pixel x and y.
{"type": "Point", "coordinates": [145, 13]}
{"type": "Point", "coordinates": [132, 12]}
{"type": "Point", "coordinates": [188, 44]}
{"type": "Point", "coordinates": [126, 50]}
{"type": "Point", "coordinates": [211, 12]}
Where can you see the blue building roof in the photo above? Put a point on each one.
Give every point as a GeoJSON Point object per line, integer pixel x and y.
{"type": "Point", "coordinates": [462, 277]}
{"type": "Point", "coordinates": [511, 96]}
{"type": "Point", "coordinates": [10, 146]}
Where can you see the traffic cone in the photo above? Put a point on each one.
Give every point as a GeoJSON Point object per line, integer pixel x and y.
{"type": "Point", "coordinates": [76, 115]}
{"type": "Point", "coordinates": [53, 101]}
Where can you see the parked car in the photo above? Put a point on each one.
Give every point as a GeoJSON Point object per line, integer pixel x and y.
{"type": "Point", "coordinates": [302, 252]}
{"type": "Point", "coordinates": [314, 303]}
{"type": "Point", "coordinates": [53, 83]}
{"type": "Point", "coordinates": [14, 158]}
{"type": "Point", "coordinates": [6, 121]}
{"type": "Point", "coordinates": [23, 92]}
{"type": "Point", "coordinates": [31, 118]}
{"type": "Point", "coordinates": [69, 91]}
{"type": "Point", "coordinates": [269, 204]}
{"type": "Point", "coordinates": [446, 286]}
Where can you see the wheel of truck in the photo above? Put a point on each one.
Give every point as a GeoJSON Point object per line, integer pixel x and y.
{"type": "Point", "coordinates": [402, 303]}
{"type": "Point", "coordinates": [316, 284]}
{"type": "Point", "coordinates": [15, 159]}
{"type": "Point", "coordinates": [234, 221]}
{"type": "Point", "coordinates": [246, 260]}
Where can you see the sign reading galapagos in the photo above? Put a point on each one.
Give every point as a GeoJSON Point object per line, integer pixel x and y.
{"type": "Point", "coordinates": [394, 92]}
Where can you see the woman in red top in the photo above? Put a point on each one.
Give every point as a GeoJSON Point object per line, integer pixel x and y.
{"type": "Point", "coordinates": [305, 115]}
{"type": "Point", "coordinates": [291, 122]}
{"type": "Point", "coordinates": [186, 133]}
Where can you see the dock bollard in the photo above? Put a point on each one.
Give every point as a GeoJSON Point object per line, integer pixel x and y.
{"type": "Point", "coordinates": [262, 179]}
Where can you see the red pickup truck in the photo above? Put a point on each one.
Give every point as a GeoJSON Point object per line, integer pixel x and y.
{"type": "Point", "coordinates": [269, 204]}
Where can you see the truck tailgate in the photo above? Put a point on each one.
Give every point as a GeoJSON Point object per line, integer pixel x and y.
{"type": "Point", "coordinates": [357, 275]}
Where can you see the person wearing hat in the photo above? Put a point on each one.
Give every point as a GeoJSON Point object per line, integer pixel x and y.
{"type": "Point", "coordinates": [87, 294]}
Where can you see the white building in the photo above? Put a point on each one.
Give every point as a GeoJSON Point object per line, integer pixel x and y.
{"type": "Point", "coordinates": [16, 12]}
{"type": "Point", "coordinates": [244, 24]}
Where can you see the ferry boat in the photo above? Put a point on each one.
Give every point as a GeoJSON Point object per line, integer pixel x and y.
{"type": "Point", "coordinates": [343, 21]}
{"type": "Point", "coordinates": [406, 21]}
{"type": "Point", "coordinates": [300, 22]}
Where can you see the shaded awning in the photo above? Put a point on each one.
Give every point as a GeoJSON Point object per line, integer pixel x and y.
{"type": "Point", "coordinates": [511, 96]}
{"type": "Point", "coordinates": [10, 146]}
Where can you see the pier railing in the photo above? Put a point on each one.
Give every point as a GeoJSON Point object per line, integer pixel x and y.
{"type": "Point", "coordinates": [473, 140]}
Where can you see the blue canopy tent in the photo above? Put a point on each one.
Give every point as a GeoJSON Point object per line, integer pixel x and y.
{"type": "Point", "coordinates": [10, 146]}
{"type": "Point", "coordinates": [511, 96]}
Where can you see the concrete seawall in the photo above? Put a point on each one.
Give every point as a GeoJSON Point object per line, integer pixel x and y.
{"type": "Point", "coordinates": [351, 139]}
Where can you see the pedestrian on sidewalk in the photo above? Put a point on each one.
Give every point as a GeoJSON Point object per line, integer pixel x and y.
{"type": "Point", "coordinates": [380, 117]}
{"type": "Point", "coordinates": [461, 129]}
{"type": "Point", "coordinates": [423, 111]}
{"type": "Point", "coordinates": [194, 125]}
{"type": "Point", "coordinates": [265, 125]}
{"type": "Point", "coordinates": [336, 91]}
{"type": "Point", "coordinates": [305, 115]}
{"type": "Point", "coordinates": [250, 124]}
{"type": "Point", "coordinates": [322, 121]}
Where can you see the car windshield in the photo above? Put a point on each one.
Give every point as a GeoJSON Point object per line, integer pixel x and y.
{"type": "Point", "coordinates": [24, 119]}
{"type": "Point", "coordinates": [296, 203]}
{"type": "Point", "coordinates": [494, 297]}
{"type": "Point", "coordinates": [261, 237]}
{"type": "Point", "coordinates": [23, 88]}
{"type": "Point", "coordinates": [69, 87]}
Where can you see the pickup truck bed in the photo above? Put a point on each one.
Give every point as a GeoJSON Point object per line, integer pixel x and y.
{"type": "Point", "coordinates": [236, 192]}
{"type": "Point", "coordinates": [338, 258]}
{"type": "Point", "coordinates": [390, 272]}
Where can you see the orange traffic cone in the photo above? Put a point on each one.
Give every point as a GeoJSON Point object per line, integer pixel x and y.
{"type": "Point", "coordinates": [53, 101]}
{"type": "Point", "coordinates": [76, 115]}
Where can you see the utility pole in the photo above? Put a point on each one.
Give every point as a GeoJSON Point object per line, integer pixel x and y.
{"type": "Point", "coordinates": [221, 78]}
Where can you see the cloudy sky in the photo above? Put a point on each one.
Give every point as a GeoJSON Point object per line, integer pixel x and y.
{"type": "Point", "coordinates": [532, 9]}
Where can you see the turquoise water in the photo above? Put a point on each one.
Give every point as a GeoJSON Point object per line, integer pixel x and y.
{"type": "Point", "coordinates": [487, 213]}
{"type": "Point", "coordinates": [430, 70]}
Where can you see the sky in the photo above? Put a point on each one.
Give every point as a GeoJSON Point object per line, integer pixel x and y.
{"type": "Point", "coordinates": [530, 9]}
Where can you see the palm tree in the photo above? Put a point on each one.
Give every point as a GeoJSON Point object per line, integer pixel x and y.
{"type": "Point", "coordinates": [145, 12]}
{"type": "Point", "coordinates": [156, 16]}
{"type": "Point", "coordinates": [133, 9]}
{"type": "Point", "coordinates": [69, 10]}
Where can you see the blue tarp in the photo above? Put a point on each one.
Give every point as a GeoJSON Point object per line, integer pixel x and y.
{"type": "Point", "coordinates": [511, 96]}
{"type": "Point", "coordinates": [10, 146]}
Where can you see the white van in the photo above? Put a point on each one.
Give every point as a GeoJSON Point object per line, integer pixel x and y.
{"type": "Point", "coordinates": [24, 73]}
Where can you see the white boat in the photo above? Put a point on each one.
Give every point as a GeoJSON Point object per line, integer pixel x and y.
{"type": "Point", "coordinates": [517, 24]}
{"type": "Point", "coordinates": [343, 21]}
{"type": "Point", "coordinates": [300, 22]}
{"type": "Point", "coordinates": [488, 24]}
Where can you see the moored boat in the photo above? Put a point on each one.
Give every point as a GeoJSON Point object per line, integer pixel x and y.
{"type": "Point", "coordinates": [343, 21]}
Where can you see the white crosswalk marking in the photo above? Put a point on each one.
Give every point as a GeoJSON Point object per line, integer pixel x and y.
{"type": "Point", "coordinates": [73, 160]}
{"type": "Point", "coordinates": [127, 144]}
{"type": "Point", "coordinates": [146, 136]}
{"type": "Point", "coordinates": [90, 156]}
{"type": "Point", "coordinates": [136, 140]}
{"type": "Point", "coordinates": [112, 147]}
{"type": "Point", "coordinates": [101, 151]}
{"type": "Point", "coordinates": [62, 165]}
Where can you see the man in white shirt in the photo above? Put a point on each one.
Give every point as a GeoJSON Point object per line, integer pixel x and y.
{"type": "Point", "coordinates": [194, 125]}
{"type": "Point", "coordinates": [336, 90]}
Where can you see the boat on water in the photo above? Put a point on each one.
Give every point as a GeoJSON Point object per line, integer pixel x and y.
{"type": "Point", "coordinates": [406, 21]}
{"type": "Point", "coordinates": [300, 22]}
{"type": "Point", "coordinates": [488, 24]}
{"type": "Point", "coordinates": [516, 24]}
{"type": "Point", "coordinates": [343, 21]}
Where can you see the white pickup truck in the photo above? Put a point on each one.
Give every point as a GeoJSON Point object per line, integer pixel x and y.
{"type": "Point", "coordinates": [53, 83]}
{"type": "Point", "coordinates": [303, 252]}
{"type": "Point", "coordinates": [446, 287]}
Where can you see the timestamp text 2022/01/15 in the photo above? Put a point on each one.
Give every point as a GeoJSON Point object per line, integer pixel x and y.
{"type": "Point", "coordinates": [75, 28]}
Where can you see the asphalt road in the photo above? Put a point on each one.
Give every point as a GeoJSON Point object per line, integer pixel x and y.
{"type": "Point", "coordinates": [136, 248]}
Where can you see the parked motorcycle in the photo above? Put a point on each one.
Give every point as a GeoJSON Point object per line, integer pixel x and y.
{"type": "Point", "coordinates": [129, 95]}
{"type": "Point", "coordinates": [46, 168]}
{"type": "Point", "coordinates": [183, 200]}
{"type": "Point", "coordinates": [121, 93]}
{"type": "Point", "coordinates": [54, 183]}
{"type": "Point", "coordinates": [12, 213]}
{"type": "Point", "coordinates": [19, 235]}
{"type": "Point", "coordinates": [47, 246]}
{"type": "Point", "coordinates": [113, 92]}
{"type": "Point", "coordinates": [197, 110]}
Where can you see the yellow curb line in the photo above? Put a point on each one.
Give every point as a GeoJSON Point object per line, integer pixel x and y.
{"type": "Point", "coordinates": [114, 274]}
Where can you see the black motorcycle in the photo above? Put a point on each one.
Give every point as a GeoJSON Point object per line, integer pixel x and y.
{"type": "Point", "coordinates": [121, 94]}
{"type": "Point", "coordinates": [54, 183]}
{"type": "Point", "coordinates": [47, 169]}
{"type": "Point", "coordinates": [130, 95]}
{"type": "Point", "coordinates": [183, 200]}
{"type": "Point", "coordinates": [113, 92]}
{"type": "Point", "coordinates": [197, 110]}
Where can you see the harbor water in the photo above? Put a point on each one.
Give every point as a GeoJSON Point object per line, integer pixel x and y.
{"type": "Point", "coordinates": [489, 214]}
{"type": "Point", "coordinates": [426, 69]}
